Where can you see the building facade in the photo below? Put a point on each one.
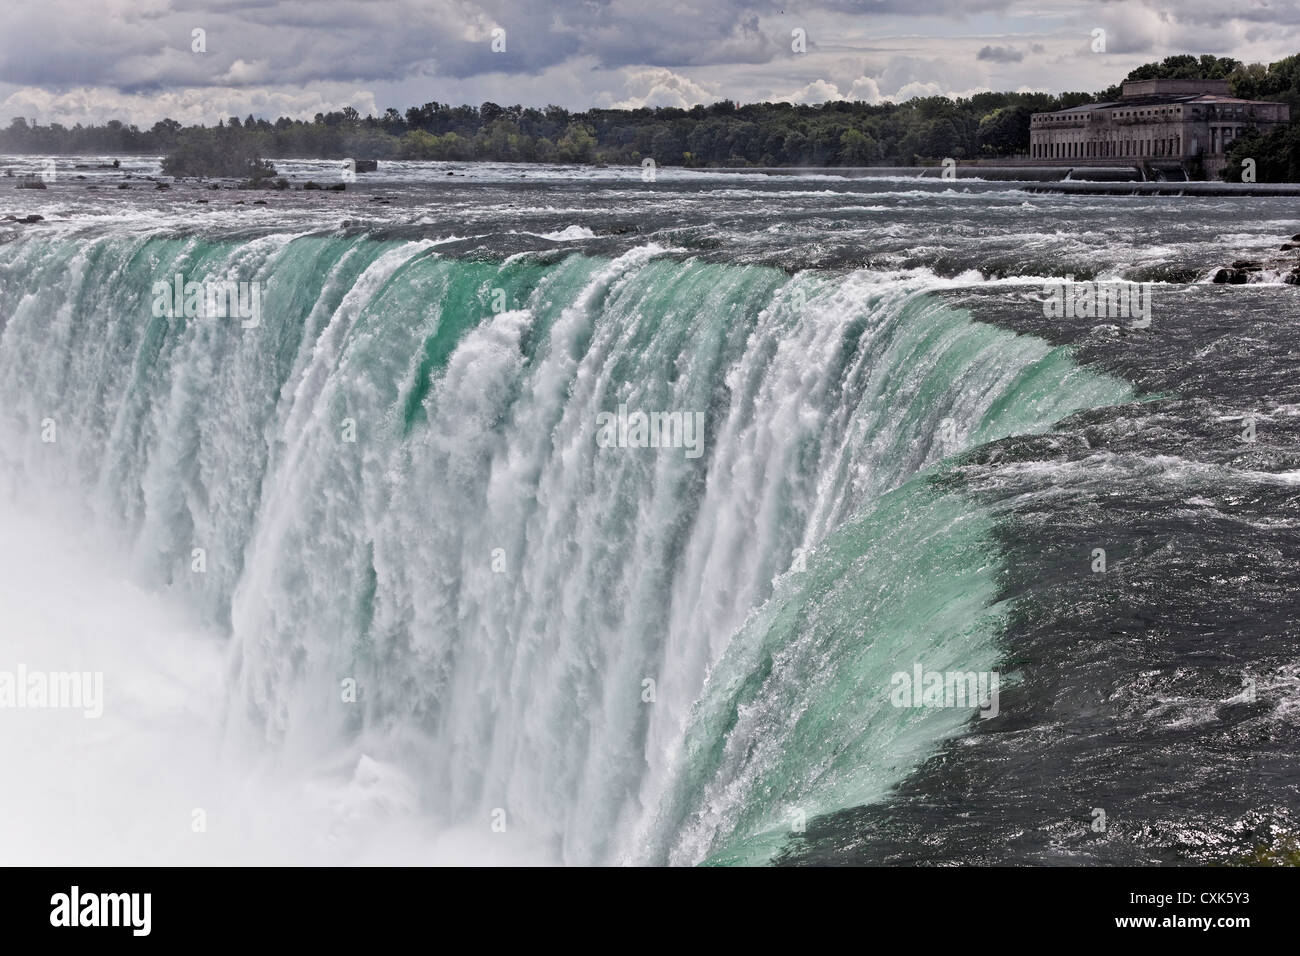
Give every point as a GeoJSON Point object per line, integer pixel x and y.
{"type": "Point", "coordinates": [1163, 126]}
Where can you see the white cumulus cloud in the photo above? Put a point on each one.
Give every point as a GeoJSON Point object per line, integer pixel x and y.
{"type": "Point", "coordinates": [657, 86]}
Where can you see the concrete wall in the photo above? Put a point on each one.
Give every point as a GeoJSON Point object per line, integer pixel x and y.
{"type": "Point", "coordinates": [1175, 87]}
{"type": "Point", "coordinates": [1148, 132]}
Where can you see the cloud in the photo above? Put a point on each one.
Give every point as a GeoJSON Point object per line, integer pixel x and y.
{"type": "Point", "coordinates": [1000, 54]}
{"type": "Point", "coordinates": [866, 89]}
{"type": "Point", "coordinates": [818, 91]}
{"type": "Point", "coordinates": [662, 87]}
{"type": "Point", "coordinates": [1130, 30]}
{"type": "Point", "coordinates": [907, 76]}
{"type": "Point", "coordinates": [98, 104]}
{"type": "Point", "coordinates": [920, 8]}
{"type": "Point", "coordinates": [863, 89]}
{"type": "Point", "coordinates": [1214, 13]}
{"type": "Point", "coordinates": [148, 45]}
{"type": "Point", "coordinates": [298, 58]}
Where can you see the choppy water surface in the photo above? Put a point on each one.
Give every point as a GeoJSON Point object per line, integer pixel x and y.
{"type": "Point", "coordinates": [396, 478]}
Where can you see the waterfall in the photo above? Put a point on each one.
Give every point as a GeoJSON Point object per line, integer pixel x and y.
{"type": "Point", "coordinates": [392, 496]}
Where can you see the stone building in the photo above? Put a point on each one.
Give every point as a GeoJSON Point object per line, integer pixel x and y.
{"type": "Point", "coordinates": [1179, 127]}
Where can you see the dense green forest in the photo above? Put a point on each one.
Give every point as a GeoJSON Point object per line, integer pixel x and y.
{"type": "Point", "coordinates": [987, 125]}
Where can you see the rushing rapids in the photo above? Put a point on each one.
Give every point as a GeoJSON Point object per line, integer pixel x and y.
{"type": "Point", "coordinates": [433, 565]}
{"type": "Point", "coordinates": [497, 583]}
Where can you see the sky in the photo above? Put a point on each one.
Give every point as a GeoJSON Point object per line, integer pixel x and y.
{"type": "Point", "coordinates": [139, 61]}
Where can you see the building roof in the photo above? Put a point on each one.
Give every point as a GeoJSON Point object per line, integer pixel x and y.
{"type": "Point", "coordinates": [1139, 102]}
{"type": "Point", "coordinates": [1168, 86]}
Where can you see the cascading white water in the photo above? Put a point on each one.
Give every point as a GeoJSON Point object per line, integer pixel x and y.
{"type": "Point", "coordinates": [499, 585]}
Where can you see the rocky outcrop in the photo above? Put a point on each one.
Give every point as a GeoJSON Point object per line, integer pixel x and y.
{"type": "Point", "coordinates": [1283, 267]}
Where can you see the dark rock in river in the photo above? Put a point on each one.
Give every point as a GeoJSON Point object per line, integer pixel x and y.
{"type": "Point", "coordinates": [1233, 276]}
{"type": "Point", "coordinates": [1244, 271]}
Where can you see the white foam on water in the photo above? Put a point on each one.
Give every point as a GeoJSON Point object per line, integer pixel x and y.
{"type": "Point", "coordinates": [123, 789]}
{"type": "Point", "coordinates": [519, 690]}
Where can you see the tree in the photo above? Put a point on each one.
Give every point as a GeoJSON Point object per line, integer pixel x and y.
{"type": "Point", "coordinates": [721, 134]}
{"type": "Point", "coordinates": [215, 152]}
{"type": "Point", "coordinates": [856, 148]}
{"type": "Point", "coordinates": [1005, 131]}
{"type": "Point", "coordinates": [577, 144]}
{"type": "Point", "coordinates": [1186, 67]}
{"type": "Point", "coordinates": [1276, 155]}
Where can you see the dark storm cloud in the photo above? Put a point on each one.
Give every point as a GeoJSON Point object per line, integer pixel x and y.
{"type": "Point", "coordinates": [145, 44]}
{"type": "Point", "coordinates": [148, 45]}
{"type": "Point", "coordinates": [1000, 54]}
{"type": "Point", "coordinates": [140, 45]}
{"type": "Point", "coordinates": [69, 58]}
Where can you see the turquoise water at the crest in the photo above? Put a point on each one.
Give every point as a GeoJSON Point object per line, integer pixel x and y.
{"type": "Point", "coordinates": [501, 587]}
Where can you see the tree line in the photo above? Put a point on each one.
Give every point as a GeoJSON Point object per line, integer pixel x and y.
{"type": "Point", "coordinates": [721, 134]}
{"type": "Point", "coordinates": [836, 133]}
